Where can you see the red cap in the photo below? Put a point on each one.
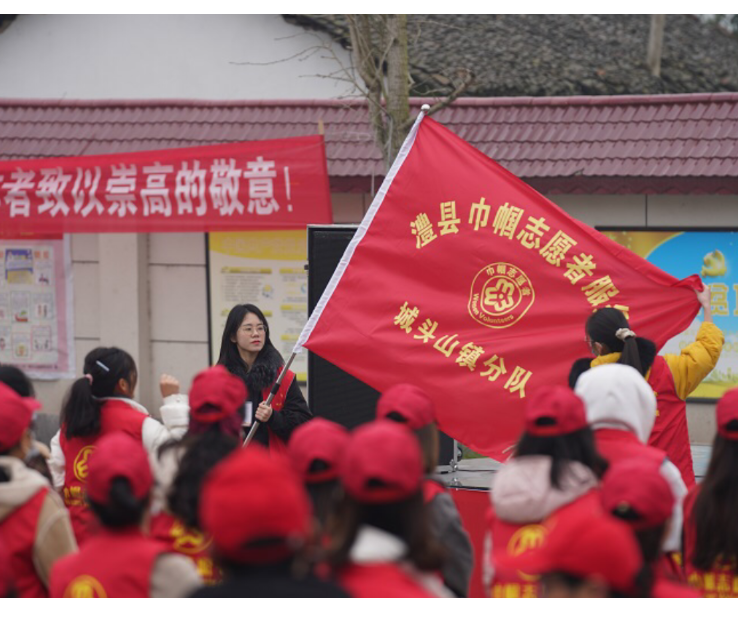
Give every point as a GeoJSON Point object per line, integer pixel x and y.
{"type": "Point", "coordinates": [216, 394]}
{"type": "Point", "coordinates": [382, 463]}
{"type": "Point", "coordinates": [255, 507]}
{"type": "Point", "coordinates": [554, 410]}
{"type": "Point", "coordinates": [727, 411]}
{"type": "Point", "coordinates": [16, 413]}
{"type": "Point", "coordinates": [637, 484]}
{"type": "Point", "coordinates": [317, 440]}
{"type": "Point", "coordinates": [586, 545]}
{"type": "Point", "coordinates": [410, 402]}
{"type": "Point", "coordinates": [118, 455]}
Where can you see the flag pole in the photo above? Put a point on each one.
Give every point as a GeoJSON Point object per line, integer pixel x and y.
{"type": "Point", "coordinates": [313, 319]}
{"type": "Point", "coordinates": [275, 388]}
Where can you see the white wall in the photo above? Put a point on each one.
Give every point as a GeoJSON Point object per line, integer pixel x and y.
{"type": "Point", "coordinates": [167, 56]}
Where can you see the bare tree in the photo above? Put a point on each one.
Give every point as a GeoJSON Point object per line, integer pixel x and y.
{"type": "Point", "coordinates": [655, 44]}
{"type": "Point", "coordinates": [379, 47]}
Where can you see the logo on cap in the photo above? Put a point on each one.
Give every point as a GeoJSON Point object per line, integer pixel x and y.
{"type": "Point", "coordinates": [500, 296]}
{"type": "Point", "coordinates": [85, 587]}
{"type": "Point", "coordinates": [80, 463]}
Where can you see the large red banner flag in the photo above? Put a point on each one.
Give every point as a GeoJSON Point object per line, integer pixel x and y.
{"type": "Point", "coordinates": [280, 183]}
{"type": "Point", "coordinates": [464, 280]}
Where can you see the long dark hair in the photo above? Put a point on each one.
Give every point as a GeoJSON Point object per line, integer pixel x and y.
{"type": "Point", "coordinates": [123, 508]}
{"type": "Point", "coordinates": [578, 446]}
{"type": "Point", "coordinates": [17, 381]}
{"type": "Point", "coordinates": [81, 409]}
{"type": "Point", "coordinates": [202, 452]}
{"type": "Point", "coordinates": [601, 328]}
{"type": "Point", "coordinates": [230, 357]}
{"type": "Point", "coordinates": [715, 511]}
{"type": "Point", "coordinates": [406, 519]}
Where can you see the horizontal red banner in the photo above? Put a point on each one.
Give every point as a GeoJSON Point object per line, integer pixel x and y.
{"type": "Point", "coordinates": [248, 185]}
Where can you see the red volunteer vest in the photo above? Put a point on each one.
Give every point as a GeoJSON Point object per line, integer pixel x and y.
{"type": "Point", "coordinates": [667, 588]}
{"type": "Point", "coordinates": [512, 540]}
{"type": "Point", "coordinates": [112, 564]}
{"type": "Point", "coordinates": [277, 445]}
{"type": "Point", "coordinates": [719, 582]}
{"type": "Point", "coordinates": [187, 541]}
{"type": "Point", "coordinates": [380, 580]}
{"type": "Point", "coordinates": [115, 416]}
{"type": "Point", "coordinates": [18, 534]}
{"type": "Point", "coordinates": [670, 432]}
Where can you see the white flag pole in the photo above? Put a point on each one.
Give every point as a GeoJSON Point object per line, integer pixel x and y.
{"type": "Point", "coordinates": [360, 232]}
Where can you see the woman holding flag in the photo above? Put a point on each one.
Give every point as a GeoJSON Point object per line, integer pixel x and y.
{"type": "Point", "coordinates": [247, 351]}
{"type": "Point", "coordinates": [672, 377]}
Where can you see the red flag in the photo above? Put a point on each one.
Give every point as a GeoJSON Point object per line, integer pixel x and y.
{"type": "Point", "coordinates": [466, 281]}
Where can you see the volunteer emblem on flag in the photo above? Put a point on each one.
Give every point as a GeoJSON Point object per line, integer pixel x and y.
{"type": "Point", "coordinates": [501, 294]}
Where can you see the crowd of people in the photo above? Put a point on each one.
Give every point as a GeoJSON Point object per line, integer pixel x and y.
{"type": "Point", "coordinates": [598, 498]}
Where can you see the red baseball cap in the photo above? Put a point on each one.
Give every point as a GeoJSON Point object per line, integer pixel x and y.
{"type": "Point", "coordinates": [16, 413]}
{"type": "Point", "coordinates": [317, 440]}
{"type": "Point", "coordinates": [409, 401]}
{"type": "Point", "coordinates": [637, 484]}
{"type": "Point", "coordinates": [587, 545]}
{"type": "Point", "coordinates": [216, 394]}
{"type": "Point", "coordinates": [382, 463]}
{"type": "Point", "coordinates": [727, 411]}
{"type": "Point", "coordinates": [118, 455]}
{"type": "Point", "coordinates": [554, 410]}
{"type": "Point", "coordinates": [255, 507]}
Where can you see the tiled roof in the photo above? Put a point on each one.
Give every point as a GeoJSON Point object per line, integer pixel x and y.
{"type": "Point", "coordinates": [560, 54]}
{"type": "Point", "coordinates": [667, 143]}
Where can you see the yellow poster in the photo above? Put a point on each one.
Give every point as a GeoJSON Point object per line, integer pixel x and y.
{"type": "Point", "coordinates": [713, 255]}
{"type": "Point", "coordinates": [265, 268]}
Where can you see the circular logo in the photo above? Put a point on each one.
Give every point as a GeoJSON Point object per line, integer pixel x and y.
{"type": "Point", "coordinates": [85, 587]}
{"type": "Point", "coordinates": [525, 539]}
{"type": "Point", "coordinates": [80, 463]}
{"type": "Point", "coordinates": [501, 294]}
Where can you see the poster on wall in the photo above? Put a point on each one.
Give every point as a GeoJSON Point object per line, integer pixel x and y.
{"type": "Point", "coordinates": [36, 307]}
{"type": "Point", "coordinates": [265, 268]}
{"type": "Point", "coordinates": [714, 256]}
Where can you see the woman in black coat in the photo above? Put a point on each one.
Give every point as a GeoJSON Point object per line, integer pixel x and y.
{"type": "Point", "coordinates": [247, 351]}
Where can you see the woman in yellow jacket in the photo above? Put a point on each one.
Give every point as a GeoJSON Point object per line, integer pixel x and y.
{"type": "Point", "coordinates": [672, 377]}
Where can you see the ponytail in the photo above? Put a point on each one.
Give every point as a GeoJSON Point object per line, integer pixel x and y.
{"type": "Point", "coordinates": [610, 327]}
{"type": "Point", "coordinates": [103, 368]}
{"type": "Point", "coordinates": [123, 509]}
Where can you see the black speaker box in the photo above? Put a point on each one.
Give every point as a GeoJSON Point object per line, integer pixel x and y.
{"type": "Point", "coordinates": [333, 393]}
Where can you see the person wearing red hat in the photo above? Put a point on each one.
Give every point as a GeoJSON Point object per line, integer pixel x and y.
{"type": "Point", "coordinates": [119, 561]}
{"type": "Point", "coordinates": [315, 450]}
{"type": "Point", "coordinates": [382, 546]}
{"type": "Point", "coordinates": [99, 403]}
{"type": "Point", "coordinates": [409, 404]}
{"type": "Point", "coordinates": [257, 512]}
{"type": "Point", "coordinates": [635, 491]}
{"type": "Point", "coordinates": [585, 555]}
{"type": "Point", "coordinates": [555, 469]}
{"type": "Point", "coordinates": [246, 350]}
{"type": "Point", "coordinates": [711, 512]}
{"type": "Point", "coordinates": [672, 377]}
{"type": "Point", "coordinates": [216, 413]}
{"type": "Point", "coordinates": [34, 525]}
{"type": "Point", "coordinates": [621, 410]}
